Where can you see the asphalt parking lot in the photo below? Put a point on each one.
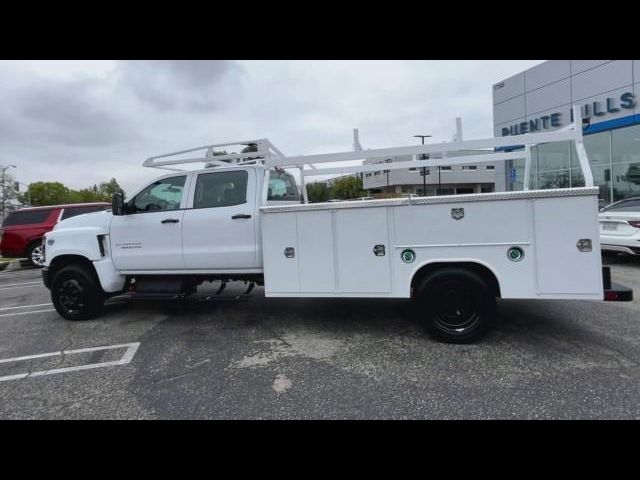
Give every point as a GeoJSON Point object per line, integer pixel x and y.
{"type": "Point", "coordinates": [314, 359]}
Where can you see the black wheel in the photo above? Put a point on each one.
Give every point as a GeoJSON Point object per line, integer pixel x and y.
{"type": "Point", "coordinates": [76, 293]}
{"type": "Point", "coordinates": [35, 254]}
{"type": "Point", "coordinates": [455, 305]}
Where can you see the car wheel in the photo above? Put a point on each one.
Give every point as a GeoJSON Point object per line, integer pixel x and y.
{"type": "Point", "coordinates": [76, 293]}
{"type": "Point", "coordinates": [455, 305]}
{"type": "Point", "coordinates": [35, 255]}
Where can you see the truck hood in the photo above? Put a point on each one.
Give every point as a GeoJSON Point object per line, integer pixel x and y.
{"type": "Point", "coordinates": [95, 220]}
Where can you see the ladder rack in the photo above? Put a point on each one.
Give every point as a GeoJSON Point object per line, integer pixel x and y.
{"type": "Point", "coordinates": [268, 155]}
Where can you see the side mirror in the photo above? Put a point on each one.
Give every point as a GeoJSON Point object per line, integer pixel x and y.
{"type": "Point", "coordinates": [117, 204]}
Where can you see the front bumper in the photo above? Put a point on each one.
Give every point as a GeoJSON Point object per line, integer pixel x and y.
{"type": "Point", "coordinates": [46, 277]}
{"type": "Point", "coordinates": [614, 292]}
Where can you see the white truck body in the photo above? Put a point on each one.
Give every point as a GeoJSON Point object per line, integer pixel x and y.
{"type": "Point", "coordinates": [334, 244]}
{"type": "Point", "coordinates": [229, 223]}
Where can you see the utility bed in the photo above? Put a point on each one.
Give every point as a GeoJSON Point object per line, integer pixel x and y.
{"type": "Point", "coordinates": [356, 248]}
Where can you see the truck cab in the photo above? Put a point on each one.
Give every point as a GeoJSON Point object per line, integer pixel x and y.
{"type": "Point", "coordinates": [201, 222]}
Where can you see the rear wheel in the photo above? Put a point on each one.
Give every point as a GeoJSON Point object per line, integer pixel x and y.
{"type": "Point", "coordinates": [35, 255]}
{"type": "Point", "coordinates": [455, 305]}
{"type": "Point", "coordinates": [76, 293]}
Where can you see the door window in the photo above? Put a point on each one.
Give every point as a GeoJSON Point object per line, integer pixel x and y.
{"type": "Point", "coordinates": [165, 194]}
{"type": "Point", "coordinates": [221, 189]}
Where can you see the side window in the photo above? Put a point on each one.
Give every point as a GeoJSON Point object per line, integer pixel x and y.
{"type": "Point", "coordinates": [28, 217]}
{"type": "Point", "coordinates": [165, 194]}
{"type": "Point", "coordinates": [282, 186]}
{"type": "Point", "coordinates": [221, 189]}
{"type": "Point", "coordinates": [75, 211]}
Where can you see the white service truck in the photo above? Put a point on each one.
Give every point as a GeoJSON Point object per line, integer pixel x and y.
{"type": "Point", "coordinates": [242, 219]}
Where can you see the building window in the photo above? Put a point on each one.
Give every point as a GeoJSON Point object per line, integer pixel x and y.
{"type": "Point", "coordinates": [469, 167]}
{"type": "Point", "coordinates": [445, 167]}
{"type": "Point", "coordinates": [376, 173]}
{"type": "Point", "coordinates": [367, 174]}
{"type": "Point", "coordinates": [490, 167]}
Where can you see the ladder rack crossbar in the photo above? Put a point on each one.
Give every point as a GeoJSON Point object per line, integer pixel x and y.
{"type": "Point", "coordinates": [463, 160]}
{"type": "Point", "coordinates": [528, 139]}
{"type": "Point", "coordinates": [269, 156]}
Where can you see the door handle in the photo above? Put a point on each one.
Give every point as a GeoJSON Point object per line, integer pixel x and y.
{"type": "Point", "coordinates": [240, 215]}
{"type": "Point", "coordinates": [170, 220]}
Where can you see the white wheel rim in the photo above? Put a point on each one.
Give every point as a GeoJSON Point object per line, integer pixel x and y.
{"type": "Point", "coordinates": [37, 257]}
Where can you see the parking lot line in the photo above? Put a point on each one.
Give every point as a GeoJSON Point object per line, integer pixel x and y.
{"type": "Point", "coordinates": [20, 284]}
{"type": "Point", "coordinates": [26, 306]}
{"type": "Point", "coordinates": [132, 348]}
{"type": "Point", "coordinates": [27, 313]}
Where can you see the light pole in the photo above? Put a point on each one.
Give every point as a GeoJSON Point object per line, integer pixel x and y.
{"type": "Point", "coordinates": [424, 169]}
{"type": "Point", "coordinates": [4, 187]}
{"type": "Point", "coordinates": [28, 191]}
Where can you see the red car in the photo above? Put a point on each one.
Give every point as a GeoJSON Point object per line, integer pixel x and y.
{"type": "Point", "coordinates": [22, 230]}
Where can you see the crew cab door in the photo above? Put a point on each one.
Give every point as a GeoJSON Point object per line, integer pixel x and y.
{"type": "Point", "coordinates": [149, 235]}
{"type": "Point", "coordinates": [219, 230]}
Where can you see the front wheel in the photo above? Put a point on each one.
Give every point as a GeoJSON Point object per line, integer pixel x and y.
{"type": "Point", "coordinates": [455, 305]}
{"type": "Point", "coordinates": [76, 293]}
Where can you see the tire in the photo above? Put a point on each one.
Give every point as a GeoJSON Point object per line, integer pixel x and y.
{"type": "Point", "coordinates": [34, 255]}
{"type": "Point", "coordinates": [455, 305]}
{"type": "Point", "coordinates": [76, 293]}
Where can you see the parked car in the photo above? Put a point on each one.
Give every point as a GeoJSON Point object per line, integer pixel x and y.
{"type": "Point", "coordinates": [22, 230]}
{"type": "Point", "coordinates": [620, 226]}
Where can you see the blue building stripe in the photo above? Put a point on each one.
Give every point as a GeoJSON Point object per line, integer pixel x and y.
{"type": "Point", "coordinates": [598, 127]}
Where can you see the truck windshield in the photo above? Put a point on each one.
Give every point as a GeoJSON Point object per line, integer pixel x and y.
{"type": "Point", "coordinates": [282, 186]}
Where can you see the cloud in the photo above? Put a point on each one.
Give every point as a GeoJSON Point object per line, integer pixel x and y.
{"type": "Point", "coordinates": [84, 122]}
{"type": "Point", "coordinates": [198, 85]}
{"type": "Point", "coordinates": [69, 113]}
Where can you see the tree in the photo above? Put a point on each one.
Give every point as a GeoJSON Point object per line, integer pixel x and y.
{"type": "Point", "coordinates": [48, 193]}
{"type": "Point", "coordinates": [10, 189]}
{"type": "Point", "coordinates": [55, 193]}
{"type": "Point", "coordinates": [317, 192]}
{"type": "Point", "coordinates": [107, 189]}
{"type": "Point", "coordinates": [347, 187]}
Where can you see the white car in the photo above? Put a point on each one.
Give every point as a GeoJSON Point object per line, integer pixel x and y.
{"type": "Point", "coordinates": [620, 226]}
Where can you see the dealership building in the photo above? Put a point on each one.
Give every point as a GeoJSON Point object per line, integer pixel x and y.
{"type": "Point", "coordinates": [445, 180]}
{"type": "Point", "coordinates": [540, 99]}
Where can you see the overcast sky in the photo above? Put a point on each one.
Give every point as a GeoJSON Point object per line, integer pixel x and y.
{"type": "Point", "coordinates": [83, 122]}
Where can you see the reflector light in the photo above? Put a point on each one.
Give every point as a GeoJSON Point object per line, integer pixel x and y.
{"type": "Point", "coordinates": [610, 296]}
{"type": "Point", "coordinates": [515, 254]}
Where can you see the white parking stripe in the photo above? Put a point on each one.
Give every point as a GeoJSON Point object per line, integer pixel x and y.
{"type": "Point", "coordinates": [26, 306]}
{"type": "Point", "coordinates": [9, 288]}
{"type": "Point", "coordinates": [27, 313]}
{"type": "Point", "coordinates": [18, 284]}
{"type": "Point", "coordinates": [132, 348]}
